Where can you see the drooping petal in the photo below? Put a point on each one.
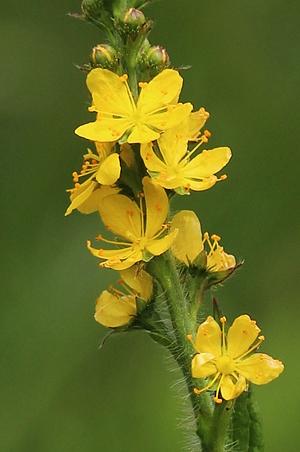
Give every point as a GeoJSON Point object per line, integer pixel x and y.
{"type": "Point", "coordinates": [160, 91]}
{"type": "Point", "coordinates": [152, 162]}
{"type": "Point", "coordinates": [260, 368]}
{"type": "Point", "coordinates": [109, 92]}
{"type": "Point", "coordinates": [91, 204]}
{"type": "Point", "coordinates": [202, 365]}
{"type": "Point", "coordinates": [104, 129]}
{"type": "Point", "coordinates": [80, 195]}
{"type": "Point", "coordinates": [196, 121]}
{"type": "Point", "coordinates": [208, 163]}
{"type": "Point", "coordinates": [124, 264]}
{"type": "Point", "coordinates": [232, 388]}
{"type": "Point", "coordinates": [201, 184]}
{"type": "Point", "coordinates": [208, 338]}
{"type": "Point", "coordinates": [112, 311]}
{"type": "Point", "coordinates": [102, 253]}
{"type": "Point", "coordinates": [241, 335]}
{"type": "Point", "coordinates": [188, 243]}
{"type": "Point", "coordinates": [109, 170]}
{"type": "Point", "coordinates": [157, 207]}
{"type": "Point", "coordinates": [121, 215]}
{"type": "Point", "coordinates": [138, 280]}
{"type": "Point", "coordinates": [159, 246]}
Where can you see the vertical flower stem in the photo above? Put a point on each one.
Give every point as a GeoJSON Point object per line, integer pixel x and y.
{"type": "Point", "coordinates": [163, 269]}
{"type": "Point", "coordinates": [219, 427]}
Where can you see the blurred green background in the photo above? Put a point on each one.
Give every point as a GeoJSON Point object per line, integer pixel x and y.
{"type": "Point", "coordinates": [59, 393]}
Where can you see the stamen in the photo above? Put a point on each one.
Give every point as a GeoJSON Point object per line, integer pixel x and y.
{"type": "Point", "coordinates": [199, 391]}
{"type": "Point", "coordinates": [113, 242]}
{"type": "Point", "coordinates": [216, 398]}
{"type": "Point", "coordinates": [254, 347]}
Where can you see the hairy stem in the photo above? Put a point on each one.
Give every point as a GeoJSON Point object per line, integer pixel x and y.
{"type": "Point", "coordinates": [164, 270]}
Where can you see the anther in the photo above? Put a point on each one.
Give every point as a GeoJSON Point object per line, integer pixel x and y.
{"type": "Point", "coordinates": [124, 78]}
{"type": "Point", "coordinates": [223, 177]}
{"type": "Point", "coordinates": [217, 400]}
{"type": "Point", "coordinates": [216, 237]}
{"type": "Point", "coordinates": [142, 84]}
{"type": "Point", "coordinates": [223, 320]}
{"type": "Point", "coordinates": [207, 133]}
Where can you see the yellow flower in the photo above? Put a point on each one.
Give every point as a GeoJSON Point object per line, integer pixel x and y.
{"type": "Point", "coordinates": [102, 168]}
{"type": "Point", "coordinates": [229, 362]}
{"type": "Point", "coordinates": [141, 227]}
{"type": "Point", "coordinates": [156, 109]}
{"type": "Point", "coordinates": [190, 242]}
{"type": "Point", "coordinates": [115, 308]}
{"type": "Point", "coordinates": [173, 167]}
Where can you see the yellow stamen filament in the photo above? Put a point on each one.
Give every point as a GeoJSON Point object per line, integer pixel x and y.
{"type": "Point", "coordinates": [210, 384]}
{"type": "Point", "coordinates": [254, 347]}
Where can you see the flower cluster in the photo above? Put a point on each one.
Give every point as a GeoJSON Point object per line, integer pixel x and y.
{"type": "Point", "coordinates": [145, 147]}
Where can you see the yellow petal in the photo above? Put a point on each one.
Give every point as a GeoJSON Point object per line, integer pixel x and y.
{"type": "Point", "coordinates": [141, 133]}
{"type": "Point", "coordinates": [117, 255]}
{"type": "Point", "coordinates": [159, 246]}
{"type": "Point", "coordinates": [109, 170]}
{"type": "Point", "coordinates": [103, 129]}
{"type": "Point", "coordinates": [260, 368]}
{"type": "Point", "coordinates": [188, 243]}
{"type": "Point", "coordinates": [138, 280]}
{"type": "Point", "coordinates": [202, 365]}
{"type": "Point", "coordinates": [157, 207]}
{"type": "Point", "coordinates": [241, 335]}
{"type": "Point", "coordinates": [160, 91]}
{"type": "Point", "coordinates": [174, 115]}
{"type": "Point", "coordinates": [109, 92]}
{"type": "Point", "coordinates": [208, 338]}
{"type": "Point", "coordinates": [80, 195]}
{"type": "Point", "coordinates": [152, 162]}
{"type": "Point", "coordinates": [119, 265]}
{"type": "Point", "coordinates": [232, 388]}
{"type": "Point", "coordinates": [172, 147]}
{"type": "Point", "coordinates": [208, 163]}
{"type": "Point", "coordinates": [112, 311]}
{"type": "Point", "coordinates": [196, 121]}
{"type": "Point", "coordinates": [202, 184]}
{"type": "Point", "coordinates": [122, 216]}
{"type": "Point", "coordinates": [91, 204]}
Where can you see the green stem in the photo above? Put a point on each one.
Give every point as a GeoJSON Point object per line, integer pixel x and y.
{"type": "Point", "coordinates": [219, 427]}
{"type": "Point", "coordinates": [163, 269]}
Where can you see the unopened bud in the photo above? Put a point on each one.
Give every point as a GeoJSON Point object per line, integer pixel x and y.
{"type": "Point", "coordinates": [134, 18]}
{"type": "Point", "coordinates": [104, 55]}
{"type": "Point", "coordinates": [157, 57]}
{"type": "Point", "coordinates": [92, 9]}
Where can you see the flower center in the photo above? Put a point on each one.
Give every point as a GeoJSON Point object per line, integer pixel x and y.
{"type": "Point", "coordinates": [225, 364]}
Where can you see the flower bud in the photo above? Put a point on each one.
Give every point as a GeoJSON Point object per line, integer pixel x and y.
{"type": "Point", "coordinates": [113, 311]}
{"type": "Point", "coordinates": [134, 19]}
{"type": "Point", "coordinates": [92, 9]}
{"type": "Point", "coordinates": [157, 57]}
{"type": "Point", "coordinates": [104, 55]}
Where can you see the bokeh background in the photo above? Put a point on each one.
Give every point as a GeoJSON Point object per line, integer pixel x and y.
{"type": "Point", "coordinates": [59, 393]}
